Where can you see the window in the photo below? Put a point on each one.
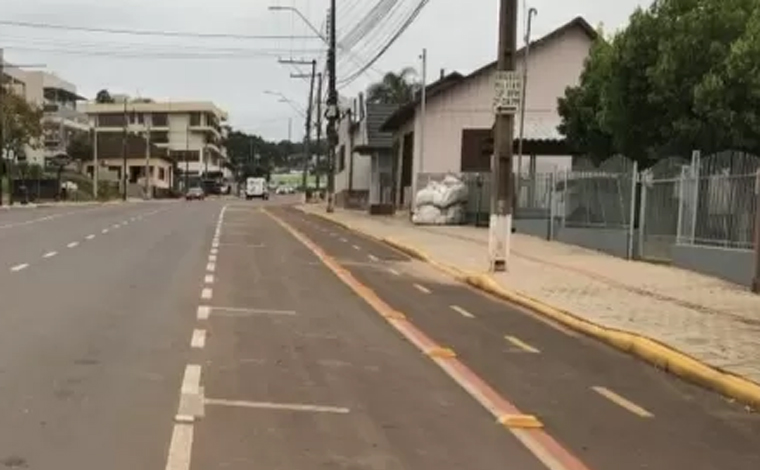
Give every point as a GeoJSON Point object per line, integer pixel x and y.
{"type": "Point", "coordinates": [160, 119]}
{"type": "Point", "coordinates": [161, 174]}
{"type": "Point", "coordinates": [475, 156]}
{"type": "Point", "coordinates": [111, 120]}
{"type": "Point", "coordinates": [159, 137]}
{"type": "Point", "coordinates": [195, 119]}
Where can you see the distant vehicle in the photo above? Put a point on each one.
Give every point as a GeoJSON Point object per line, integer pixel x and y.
{"type": "Point", "coordinates": [256, 188]}
{"type": "Point", "coordinates": [195, 194]}
{"type": "Point", "coordinates": [285, 190]}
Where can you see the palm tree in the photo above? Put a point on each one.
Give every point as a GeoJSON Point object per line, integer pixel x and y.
{"type": "Point", "coordinates": [394, 88]}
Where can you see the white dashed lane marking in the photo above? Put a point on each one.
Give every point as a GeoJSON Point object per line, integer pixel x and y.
{"type": "Point", "coordinates": [72, 245]}
{"type": "Point", "coordinates": [19, 267]}
{"type": "Point", "coordinates": [50, 254]}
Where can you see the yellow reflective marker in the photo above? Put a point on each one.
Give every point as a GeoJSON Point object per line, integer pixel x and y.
{"type": "Point", "coordinates": [521, 421]}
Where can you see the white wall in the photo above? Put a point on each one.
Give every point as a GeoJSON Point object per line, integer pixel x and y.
{"type": "Point", "coordinates": [362, 164]}
{"type": "Point", "coordinates": [552, 67]}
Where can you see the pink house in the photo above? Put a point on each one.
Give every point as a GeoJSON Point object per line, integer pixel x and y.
{"type": "Point", "coordinates": [459, 115]}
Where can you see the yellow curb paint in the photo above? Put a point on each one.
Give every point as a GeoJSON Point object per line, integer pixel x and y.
{"type": "Point", "coordinates": [658, 354]}
{"type": "Point", "coordinates": [521, 421]}
{"type": "Point", "coordinates": [394, 316]}
{"type": "Point", "coordinates": [441, 353]}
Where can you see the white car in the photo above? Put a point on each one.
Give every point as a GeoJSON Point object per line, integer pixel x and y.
{"type": "Point", "coordinates": [256, 188]}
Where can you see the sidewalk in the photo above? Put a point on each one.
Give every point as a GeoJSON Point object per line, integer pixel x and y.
{"type": "Point", "coordinates": [713, 321]}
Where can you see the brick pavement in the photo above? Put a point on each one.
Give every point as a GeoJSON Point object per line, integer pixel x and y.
{"type": "Point", "coordinates": [712, 320]}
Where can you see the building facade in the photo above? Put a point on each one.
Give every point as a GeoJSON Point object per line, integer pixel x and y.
{"type": "Point", "coordinates": [459, 114]}
{"type": "Point", "coordinates": [191, 133]}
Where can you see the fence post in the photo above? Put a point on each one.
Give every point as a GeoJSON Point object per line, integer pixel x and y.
{"type": "Point", "coordinates": [681, 197]}
{"type": "Point", "coordinates": [552, 204]}
{"type": "Point", "coordinates": [696, 157]}
{"type": "Point", "coordinates": [644, 179]}
{"type": "Point", "coordinates": [632, 211]}
{"type": "Point", "coordinates": [756, 279]}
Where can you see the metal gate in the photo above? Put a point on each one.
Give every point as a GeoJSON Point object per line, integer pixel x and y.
{"type": "Point", "coordinates": [662, 188]}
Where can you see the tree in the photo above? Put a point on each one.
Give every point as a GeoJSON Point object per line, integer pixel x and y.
{"type": "Point", "coordinates": [80, 149]}
{"type": "Point", "coordinates": [681, 76]}
{"type": "Point", "coordinates": [104, 96]}
{"type": "Point", "coordinates": [394, 88]}
{"type": "Point", "coordinates": [22, 124]}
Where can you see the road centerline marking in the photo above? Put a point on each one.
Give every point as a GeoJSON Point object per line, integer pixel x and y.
{"type": "Point", "coordinates": [462, 311]}
{"type": "Point", "coordinates": [50, 254]}
{"type": "Point", "coordinates": [89, 237]}
{"type": "Point", "coordinates": [211, 267]}
{"type": "Point", "coordinates": [104, 231]}
{"type": "Point", "coordinates": [198, 341]}
{"type": "Point", "coordinates": [622, 402]}
{"type": "Point", "coordinates": [518, 343]}
{"type": "Point", "coordinates": [212, 258]}
{"type": "Point", "coordinates": [180, 447]}
{"type": "Point", "coordinates": [277, 406]}
{"type": "Point", "coordinates": [207, 293]}
{"type": "Point", "coordinates": [19, 267]}
{"type": "Point", "coordinates": [373, 258]}
{"type": "Point", "coordinates": [72, 245]}
{"type": "Point", "coordinates": [356, 247]}
{"type": "Point", "coordinates": [422, 289]}
{"type": "Point", "coordinates": [209, 279]}
{"type": "Point", "coordinates": [394, 272]}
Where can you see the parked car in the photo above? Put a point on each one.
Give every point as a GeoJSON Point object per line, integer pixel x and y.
{"type": "Point", "coordinates": [196, 194]}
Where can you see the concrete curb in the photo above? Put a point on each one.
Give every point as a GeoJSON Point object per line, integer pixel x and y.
{"type": "Point", "coordinates": [658, 354]}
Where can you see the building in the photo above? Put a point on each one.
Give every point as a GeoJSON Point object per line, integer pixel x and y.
{"type": "Point", "coordinates": [190, 132]}
{"type": "Point", "coordinates": [459, 114]}
{"type": "Point", "coordinates": [364, 163]}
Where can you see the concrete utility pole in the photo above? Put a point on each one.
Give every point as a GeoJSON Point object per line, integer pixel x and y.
{"type": "Point", "coordinates": [507, 99]}
{"type": "Point", "coordinates": [319, 129]}
{"type": "Point", "coordinates": [147, 119]}
{"type": "Point", "coordinates": [423, 113]}
{"type": "Point", "coordinates": [2, 125]}
{"type": "Point", "coordinates": [526, 55]}
{"type": "Point", "coordinates": [124, 153]}
{"type": "Point", "coordinates": [307, 137]}
{"type": "Point", "coordinates": [95, 165]}
{"type": "Point", "coordinates": [332, 109]}
{"type": "Point", "coordinates": [187, 155]}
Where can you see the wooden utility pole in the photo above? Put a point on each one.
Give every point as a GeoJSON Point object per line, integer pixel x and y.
{"type": "Point", "coordinates": [506, 102]}
{"type": "Point", "coordinates": [307, 139]}
{"type": "Point", "coordinates": [332, 109]}
{"type": "Point", "coordinates": [125, 168]}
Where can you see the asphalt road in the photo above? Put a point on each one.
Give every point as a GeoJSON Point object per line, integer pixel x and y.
{"type": "Point", "coordinates": [609, 409]}
{"type": "Point", "coordinates": [207, 335]}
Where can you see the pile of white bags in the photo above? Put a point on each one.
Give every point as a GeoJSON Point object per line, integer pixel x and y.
{"type": "Point", "coordinates": [441, 203]}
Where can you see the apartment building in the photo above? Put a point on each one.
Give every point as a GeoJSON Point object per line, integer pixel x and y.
{"type": "Point", "coordinates": [190, 132]}
{"type": "Point", "coordinates": [58, 99]}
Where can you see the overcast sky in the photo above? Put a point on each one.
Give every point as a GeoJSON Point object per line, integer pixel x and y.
{"type": "Point", "coordinates": [235, 73]}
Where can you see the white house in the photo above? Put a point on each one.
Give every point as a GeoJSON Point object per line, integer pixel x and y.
{"type": "Point", "coordinates": [459, 113]}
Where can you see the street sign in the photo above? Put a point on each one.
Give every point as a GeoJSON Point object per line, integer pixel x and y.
{"type": "Point", "coordinates": [507, 92]}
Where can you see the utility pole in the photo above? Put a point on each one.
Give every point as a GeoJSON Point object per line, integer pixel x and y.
{"type": "Point", "coordinates": [290, 129]}
{"type": "Point", "coordinates": [506, 101]}
{"type": "Point", "coordinates": [2, 125]}
{"type": "Point", "coordinates": [526, 55]}
{"type": "Point", "coordinates": [124, 153]}
{"type": "Point", "coordinates": [423, 105]}
{"type": "Point", "coordinates": [95, 165]}
{"type": "Point", "coordinates": [319, 129]}
{"type": "Point", "coordinates": [332, 109]}
{"type": "Point", "coordinates": [187, 155]}
{"type": "Point", "coordinates": [307, 137]}
{"type": "Point", "coordinates": [148, 120]}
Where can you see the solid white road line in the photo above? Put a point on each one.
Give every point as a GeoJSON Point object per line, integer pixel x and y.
{"type": "Point", "coordinates": [72, 245]}
{"type": "Point", "coordinates": [89, 237]}
{"type": "Point", "coordinates": [462, 311]}
{"type": "Point", "coordinates": [204, 312]}
{"type": "Point", "coordinates": [211, 267]}
{"type": "Point", "coordinates": [278, 406]}
{"type": "Point", "coordinates": [374, 258]}
{"type": "Point", "coordinates": [422, 289]}
{"type": "Point", "coordinates": [198, 340]}
{"type": "Point", "coordinates": [180, 448]}
{"type": "Point", "coordinates": [518, 343]}
{"type": "Point", "coordinates": [19, 267]}
{"type": "Point", "coordinates": [207, 293]}
{"type": "Point", "coordinates": [191, 381]}
{"type": "Point", "coordinates": [622, 402]}
{"type": "Point", "coordinates": [209, 279]}
{"type": "Point", "coordinates": [50, 254]}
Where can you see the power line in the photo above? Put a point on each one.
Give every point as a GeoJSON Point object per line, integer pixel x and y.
{"type": "Point", "coordinates": [135, 32]}
{"type": "Point", "coordinates": [125, 54]}
{"type": "Point", "coordinates": [384, 49]}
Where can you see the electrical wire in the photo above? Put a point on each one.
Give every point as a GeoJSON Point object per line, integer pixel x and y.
{"type": "Point", "coordinates": [125, 54]}
{"type": "Point", "coordinates": [134, 32]}
{"type": "Point", "coordinates": [415, 14]}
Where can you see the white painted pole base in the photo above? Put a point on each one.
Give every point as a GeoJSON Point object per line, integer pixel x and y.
{"type": "Point", "coordinates": [499, 238]}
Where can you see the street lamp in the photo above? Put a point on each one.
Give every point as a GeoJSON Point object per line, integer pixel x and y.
{"type": "Point", "coordinates": [303, 18]}
{"type": "Point", "coordinates": [285, 99]}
